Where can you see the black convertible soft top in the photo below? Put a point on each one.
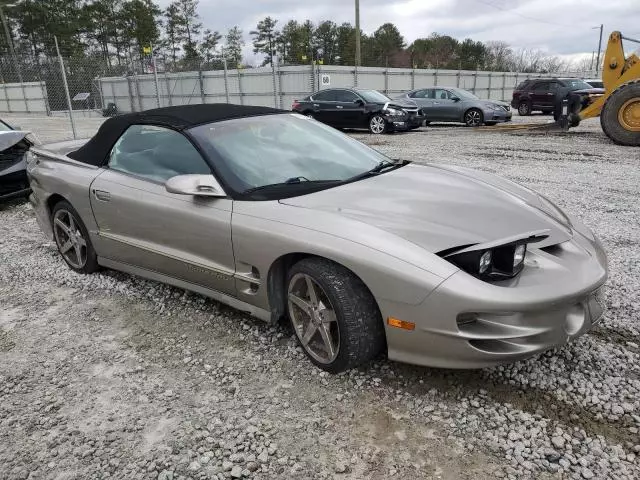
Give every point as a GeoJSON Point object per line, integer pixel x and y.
{"type": "Point", "coordinates": [96, 150]}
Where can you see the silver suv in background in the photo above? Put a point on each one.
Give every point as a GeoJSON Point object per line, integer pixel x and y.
{"type": "Point", "coordinates": [448, 104]}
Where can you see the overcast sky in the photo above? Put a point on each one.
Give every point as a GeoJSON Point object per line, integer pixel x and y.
{"type": "Point", "coordinates": [562, 27]}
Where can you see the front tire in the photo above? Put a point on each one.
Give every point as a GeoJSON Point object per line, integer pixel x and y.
{"type": "Point", "coordinates": [620, 117]}
{"type": "Point", "coordinates": [72, 239]}
{"type": "Point", "coordinates": [473, 117]}
{"type": "Point", "coordinates": [377, 125]}
{"type": "Point", "coordinates": [334, 316]}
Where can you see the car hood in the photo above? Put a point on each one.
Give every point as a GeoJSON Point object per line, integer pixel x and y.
{"type": "Point", "coordinates": [399, 102]}
{"type": "Point", "coordinates": [441, 207]}
{"type": "Point", "coordinates": [10, 137]}
{"type": "Point", "coordinates": [494, 102]}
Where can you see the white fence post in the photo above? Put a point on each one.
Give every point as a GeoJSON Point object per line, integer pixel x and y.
{"type": "Point", "coordinates": [240, 91]}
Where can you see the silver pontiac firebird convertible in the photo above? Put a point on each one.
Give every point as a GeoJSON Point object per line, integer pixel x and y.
{"type": "Point", "coordinates": [280, 216]}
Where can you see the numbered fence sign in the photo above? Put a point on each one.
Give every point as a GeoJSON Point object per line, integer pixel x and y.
{"type": "Point", "coordinates": [325, 79]}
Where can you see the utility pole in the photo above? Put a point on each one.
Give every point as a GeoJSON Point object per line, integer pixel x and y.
{"type": "Point", "coordinates": [358, 59]}
{"type": "Point", "coordinates": [10, 42]}
{"type": "Point", "coordinates": [599, 48]}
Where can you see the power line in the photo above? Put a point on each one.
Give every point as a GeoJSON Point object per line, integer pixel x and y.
{"type": "Point", "coordinates": [521, 15]}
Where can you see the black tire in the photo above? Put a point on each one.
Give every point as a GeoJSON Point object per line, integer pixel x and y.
{"type": "Point", "coordinates": [609, 120]}
{"type": "Point", "coordinates": [375, 121]}
{"type": "Point", "coordinates": [360, 326]}
{"type": "Point", "coordinates": [524, 109]}
{"type": "Point", "coordinates": [91, 263]}
{"type": "Point", "coordinates": [473, 117]}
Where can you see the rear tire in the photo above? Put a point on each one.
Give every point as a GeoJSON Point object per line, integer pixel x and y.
{"type": "Point", "coordinates": [620, 116]}
{"type": "Point", "coordinates": [524, 109]}
{"type": "Point", "coordinates": [72, 239]}
{"type": "Point", "coordinates": [341, 310]}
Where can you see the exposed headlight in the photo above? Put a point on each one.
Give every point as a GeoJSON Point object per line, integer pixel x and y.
{"type": "Point", "coordinates": [495, 107]}
{"type": "Point", "coordinates": [394, 112]}
{"type": "Point", "coordinates": [518, 255]}
{"type": "Point", "coordinates": [485, 262]}
{"type": "Point", "coordinates": [496, 263]}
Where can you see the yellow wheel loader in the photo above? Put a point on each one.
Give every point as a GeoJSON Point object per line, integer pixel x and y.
{"type": "Point", "coordinates": [619, 107]}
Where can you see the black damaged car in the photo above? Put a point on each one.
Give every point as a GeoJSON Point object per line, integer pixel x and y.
{"type": "Point", "coordinates": [14, 146]}
{"type": "Point", "coordinates": [360, 108]}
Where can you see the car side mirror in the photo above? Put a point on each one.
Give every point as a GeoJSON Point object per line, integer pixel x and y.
{"type": "Point", "coordinates": [358, 101]}
{"type": "Point", "coordinates": [197, 185]}
{"type": "Point", "coordinates": [455, 99]}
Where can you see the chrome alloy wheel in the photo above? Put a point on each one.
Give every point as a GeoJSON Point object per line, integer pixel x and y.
{"type": "Point", "coordinates": [377, 124]}
{"type": "Point", "coordinates": [69, 238]}
{"type": "Point", "coordinates": [473, 118]}
{"type": "Point", "coordinates": [314, 319]}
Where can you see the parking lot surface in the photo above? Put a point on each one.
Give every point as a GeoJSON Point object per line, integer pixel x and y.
{"type": "Point", "coordinates": [112, 376]}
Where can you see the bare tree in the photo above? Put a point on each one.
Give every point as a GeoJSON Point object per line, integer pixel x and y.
{"type": "Point", "coordinates": [499, 56]}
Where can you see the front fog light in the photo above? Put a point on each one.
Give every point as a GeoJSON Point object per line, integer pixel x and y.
{"type": "Point", "coordinates": [518, 255]}
{"type": "Point", "coordinates": [485, 262]}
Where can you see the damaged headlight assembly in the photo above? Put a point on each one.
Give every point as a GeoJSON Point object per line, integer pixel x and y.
{"type": "Point", "coordinates": [495, 260]}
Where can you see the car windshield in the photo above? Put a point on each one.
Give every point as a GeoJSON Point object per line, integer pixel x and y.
{"type": "Point", "coordinates": [254, 152]}
{"type": "Point", "coordinates": [373, 96]}
{"type": "Point", "coordinates": [464, 94]}
{"type": "Point", "coordinates": [575, 84]}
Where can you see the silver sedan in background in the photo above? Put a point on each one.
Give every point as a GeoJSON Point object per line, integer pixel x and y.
{"type": "Point", "coordinates": [448, 104]}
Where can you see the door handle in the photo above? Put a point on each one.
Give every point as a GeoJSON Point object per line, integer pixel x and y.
{"type": "Point", "coordinates": [339, 106]}
{"type": "Point", "coordinates": [316, 105]}
{"type": "Point", "coordinates": [436, 103]}
{"type": "Point", "coordinates": [101, 195]}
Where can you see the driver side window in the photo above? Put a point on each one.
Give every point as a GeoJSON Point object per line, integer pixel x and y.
{"type": "Point", "coordinates": [156, 153]}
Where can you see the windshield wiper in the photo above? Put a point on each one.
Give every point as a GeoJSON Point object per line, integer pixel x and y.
{"type": "Point", "coordinates": [379, 168]}
{"type": "Point", "coordinates": [297, 181]}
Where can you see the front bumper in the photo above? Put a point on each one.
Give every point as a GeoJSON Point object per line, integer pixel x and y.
{"type": "Point", "coordinates": [13, 184]}
{"type": "Point", "coordinates": [468, 323]}
{"type": "Point", "coordinates": [498, 116]}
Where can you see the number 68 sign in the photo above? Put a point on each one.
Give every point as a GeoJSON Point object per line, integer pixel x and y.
{"type": "Point", "coordinates": [325, 79]}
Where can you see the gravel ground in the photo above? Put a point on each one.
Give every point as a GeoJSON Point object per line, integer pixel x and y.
{"type": "Point", "coordinates": [112, 376]}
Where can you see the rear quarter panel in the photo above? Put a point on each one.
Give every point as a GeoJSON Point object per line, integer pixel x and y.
{"type": "Point", "coordinates": [52, 174]}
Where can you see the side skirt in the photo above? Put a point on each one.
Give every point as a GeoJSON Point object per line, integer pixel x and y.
{"type": "Point", "coordinates": [207, 292]}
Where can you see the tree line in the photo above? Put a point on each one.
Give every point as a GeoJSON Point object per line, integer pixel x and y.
{"type": "Point", "coordinates": [120, 33]}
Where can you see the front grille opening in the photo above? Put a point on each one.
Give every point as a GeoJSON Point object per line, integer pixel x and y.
{"type": "Point", "coordinates": [465, 320]}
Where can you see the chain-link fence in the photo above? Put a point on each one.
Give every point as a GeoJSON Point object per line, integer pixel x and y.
{"type": "Point", "coordinates": [93, 86]}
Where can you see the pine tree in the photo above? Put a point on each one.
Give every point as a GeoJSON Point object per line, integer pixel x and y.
{"type": "Point", "coordinates": [264, 39]}
{"type": "Point", "coordinates": [233, 48]}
